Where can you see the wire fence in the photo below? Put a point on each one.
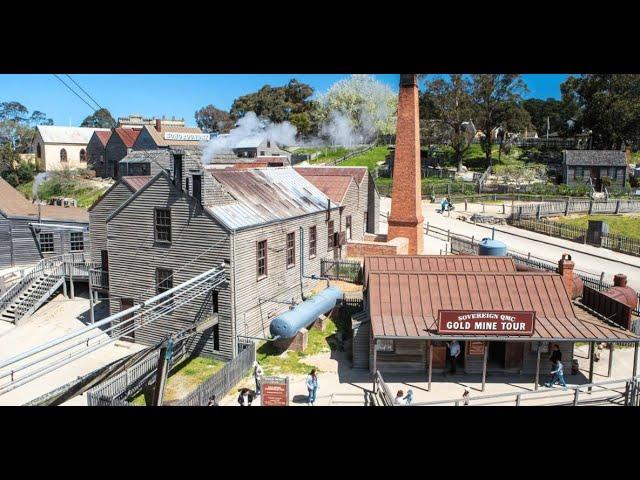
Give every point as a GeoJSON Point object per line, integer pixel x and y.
{"type": "Point", "coordinates": [342, 270]}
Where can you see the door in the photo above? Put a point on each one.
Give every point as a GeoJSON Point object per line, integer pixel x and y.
{"type": "Point", "coordinates": [514, 355]}
{"type": "Point", "coordinates": [104, 260]}
{"type": "Point", "coordinates": [125, 333]}
{"type": "Point", "coordinates": [197, 188]}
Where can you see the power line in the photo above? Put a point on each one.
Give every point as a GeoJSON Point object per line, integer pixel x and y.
{"type": "Point", "coordinates": [75, 93]}
{"type": "Point", "coordinates": [85, 92]}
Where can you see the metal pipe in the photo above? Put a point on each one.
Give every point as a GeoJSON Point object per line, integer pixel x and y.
{"type": "Point", "coordinates": [107, 320]}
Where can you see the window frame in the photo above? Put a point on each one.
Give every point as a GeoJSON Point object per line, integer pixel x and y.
{"type": "Point", "coordinates": [313, 241]}
{"type": "Point", "coordinates": [76, 242]}
{"type": "Point", "coordinates": [156, 210]}
{"type": "Point", "coordinates": [259, 275]}
{"type": "Point", "coordinates": [41, 243]}
{"type": "Point", "coordinates": [330, 235]}
{"type": "Point", "coordinates": [291, 249]}
{"type": "Point", "coordinates": [64, 158]}
{"type": "Point", "coordinates": [83, 155]}
{"type": "Point", "coordinates": [169, 279]}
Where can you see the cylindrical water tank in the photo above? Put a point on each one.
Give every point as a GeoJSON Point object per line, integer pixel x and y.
{"type": "Point", "coordinates": [304, 314]}
{"type": "Point", "coordinates": [492, 248]}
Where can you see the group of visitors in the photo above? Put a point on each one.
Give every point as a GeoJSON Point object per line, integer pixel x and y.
{"type": "Point", "coordinates": [247, 396]}
{"type": "Point", "coordinates": [402, 400]}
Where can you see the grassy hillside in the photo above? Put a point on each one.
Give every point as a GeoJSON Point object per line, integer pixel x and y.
{"type": "Point", "coordinates": [84, 191]}
{"type": "Point", "coordinates": [368, 159]}
{"type": "Point", "coordinates": [627, 225]}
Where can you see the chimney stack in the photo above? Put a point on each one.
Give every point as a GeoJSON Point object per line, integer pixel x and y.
{"type": "Point", "coordinates": [565, 267]}
{"type": "Point", "coordinates": [406, 217]}
{"type": "Point", "coordinates": [158, 125]}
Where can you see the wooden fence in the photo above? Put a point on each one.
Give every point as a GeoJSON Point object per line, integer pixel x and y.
{"type": "Point", "coordinates": [354, 153]}
{"type": "Point", "coordinates": [343, 270]}
{"type": "Point", "coordinates": [589, 207]}
{"type": "Point", "coordinates": [220, 383]}
{"type": "Point", "coordinates": [611, 241]}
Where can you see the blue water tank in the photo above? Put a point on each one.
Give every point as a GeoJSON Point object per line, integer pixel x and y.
{"type": "Point", "coordinates": [304, 314]}
{"type": "Point", "coordinates": [492, 248]}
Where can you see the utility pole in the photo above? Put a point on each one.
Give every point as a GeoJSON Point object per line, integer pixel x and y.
{"type": "Point", "coordinates": [547, 132]}
{"type": "Point", "coordinates": [162, 372]}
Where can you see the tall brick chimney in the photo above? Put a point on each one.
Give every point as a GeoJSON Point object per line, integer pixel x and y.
{"type": "Point", "coordinates": [158, 125]}
{"type": "Point", "coordinates": [565, 268]}
{"type": "Point", "coordinates": [406, 217]}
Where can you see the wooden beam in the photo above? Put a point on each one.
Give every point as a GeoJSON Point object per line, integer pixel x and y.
{"type": "Point", "coordinates": [538, 366]}
{"type": "Point", "coordinates": [591, 359]}
{"type": "Point", "coordinates": [611, 348]}
{"type": "Point", "coordinates": [430, 345]}
{"type": "Point", "coordinates": [484, 364]}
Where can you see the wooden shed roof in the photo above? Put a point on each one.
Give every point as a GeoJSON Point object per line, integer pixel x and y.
{"type": "Point", "coordinates": [334, 187]}
{"type": "Point", "coordinates": [406, 304]}
{"type": "Point", "coordinates": [356, 172]}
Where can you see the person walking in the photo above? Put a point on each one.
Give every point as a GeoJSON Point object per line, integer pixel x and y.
{"type": "Point", "coordinates": [245, 398]}
{"type": "Point", "coordinates": [443, 206]}
{"type": "Point", "coordinates": [399, 400]}
{"type": "Point", "coordinates": [213, 401]}
{"type": "Point", "coordinates": [257, 375]}
{"type": "Point", "coordinates": [454, 351]}
{"type": "Point", "coordinates": [409, 398]}
{"type": "Point", "coordinates": [465, 397]}
{"type": "Point", "coordinates": [312, 387]}
{"type": "Point", "coordinates": [558, 375]}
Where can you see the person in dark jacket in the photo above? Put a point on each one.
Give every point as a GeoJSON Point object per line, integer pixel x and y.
{"type": "Point", "coordinates": [245, 398]}
{"type": "Point", "coordinates": [556, 354]}
{"type": "Point", "coordinates": [213, 401]}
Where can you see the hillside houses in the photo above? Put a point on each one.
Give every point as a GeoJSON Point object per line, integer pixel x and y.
{"type": "Point", "coordinates": [269, 226]}
{"type": "Point", "coordinates": [30, 232]}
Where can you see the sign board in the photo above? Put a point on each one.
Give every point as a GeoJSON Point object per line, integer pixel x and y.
{"type": "Point", "coordinates": [274, 392]}
{"type": "Point", "coordinates": [182, 136]}
{"type": "Point", "coordinates": [475, 349]}
{"type": "Point", "coordinates": [485, 322]}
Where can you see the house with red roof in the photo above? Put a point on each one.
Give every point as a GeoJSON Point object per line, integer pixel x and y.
{"type": "Point", "coordinates": [120, 143]}
{"type": "Point", "coordinates": [96, 150]}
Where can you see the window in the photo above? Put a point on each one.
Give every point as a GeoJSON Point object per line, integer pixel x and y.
{"type": "Point", "coordinates": [385, 346]}
{"type": "Point", "coordinates": [291, 249]}
{"type": "Point", "coordinates": [77, 241]}
{"type": "Point", "coordinates": [63, 155]}
{"type": "Point", "coordinates": [163, 225]}
{"type": "Point", "coordinates": [330, 243]}
{"type": "Point", "coordinates": [268, 143]}
{"type": "Point", "coordinates": [262, 153]}
{"type": "Point", "coordinates": [312, 241]}
{"type": "Point", "coordinates": [39, 151]}
{"type": "Point", "coordinates": [348, 227]}
{"type": "Point", "coordinates": [216, 337]}
{"type": "Point", "coordinates": [164, 280]}
{"type": "Point", "coordinates": [46, 242]}
{"type": "Point", "coordinates": [83, 155]}
{"type": "Point", "coordinates": [261, 256]}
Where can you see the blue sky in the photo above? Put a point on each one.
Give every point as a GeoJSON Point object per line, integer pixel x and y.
{"type": "Point", "coordinates": [177, 95]}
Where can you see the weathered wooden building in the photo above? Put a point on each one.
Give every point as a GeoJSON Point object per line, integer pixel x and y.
{"type": "Point", "coordinates": [582, 166]}
{"type": "Point", "coordinates": [251, 152]}
{"type": "Point", "coordinates": [162, 136]}
{"type": "Point", "coordinates": [96, 151]}
{"type": "Point", "coordinates": [120, 143]}
{"type": "Point", "coordinates": [270, 227]}
{"type": "Point", "coordinates": [30, 232]}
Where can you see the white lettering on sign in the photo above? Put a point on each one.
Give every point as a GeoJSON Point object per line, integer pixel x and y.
{"type": "Point", "coordinates": [195, 137]}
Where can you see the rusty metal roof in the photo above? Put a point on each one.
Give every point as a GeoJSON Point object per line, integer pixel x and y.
{"type": "Point", "coordinates": [334, 187]}
{"type": "Point", "coordinates": [103, 136]}
{"type": "Point", "coordinates": [406, 304]}
{"type": "Point", "coordinates": [136, 182]}
{"type": "Point", "coordinates": [265, 195]}
{"type": "Point", "coordinates": [357, 172]}
{"type": "Point", "coordinates": [127, 135]}
{"type": "Point", "coordinates": [437, 263]}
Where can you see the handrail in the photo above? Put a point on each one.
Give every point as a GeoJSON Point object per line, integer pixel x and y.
{"type": "Point", "coordinates": [578, 388]}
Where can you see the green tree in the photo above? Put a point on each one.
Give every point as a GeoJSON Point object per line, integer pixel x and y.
{"type": "Point", "coordinates": [370, 104]}
{"type": "Point", "coordinates": [451, 105]}
{"type": "Point", "coordinates": [278, 104]}
{"type": "Point", "coordinates": [17, 127]}
{"type": "Point", "coordinates": [496, 100]}
{"type": "Point", "coordinates": [609, 106]}
{"type": "Point", "coordinates": [99, 119]}
{"type": "Point", "coordinates": [213, 120]}
{"type": "Point", "coordinates": [561, 114]}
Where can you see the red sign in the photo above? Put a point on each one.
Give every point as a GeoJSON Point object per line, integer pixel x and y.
{"type": "Point", "coordinates": [274, 392]}
{"type": "Point", "coordinates": [486, 322]}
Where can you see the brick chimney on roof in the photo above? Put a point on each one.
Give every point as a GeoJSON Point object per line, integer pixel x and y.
{"type": "Point", "coordinates": [406, 218]}
{"type": "Point", "coordinates": [158, 125]}
{"type": "Point", "coordinates": [565, 268]}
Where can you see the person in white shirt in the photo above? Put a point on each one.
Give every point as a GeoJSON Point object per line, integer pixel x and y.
{"type": "Point", "coordinates": [454, 351]}
{"type": "Point", "coordinates": [257, 375]}
{"type": "Point", "coordinates": [399, 400]}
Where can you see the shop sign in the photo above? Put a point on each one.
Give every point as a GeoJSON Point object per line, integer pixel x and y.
{"type": "Point", "coordinates": [182, 136]}
{"type": "Point", "coordinates": [274, 392]}
{"type": "Point", "coordinates": [485, 322]}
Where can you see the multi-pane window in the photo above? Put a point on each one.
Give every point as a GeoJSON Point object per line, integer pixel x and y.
{"type": "Point", "coordinates": [83, 155]}
{"type": "Point", "coordinates": [77, 241]}
{"type": "Point", "coordinates": [312, 241]}
{"type": "Point", "coordinates": [261, 257]}
{"type": "Point", "coordinates": [164, 280]}
{"type": "Point", "coordinates": [291, 249]}
{"type": "Point", "coordinates": [348, 227]}
{"type": "Point", "coordinates": [63, 155]}
{"type": "Point", "coordinates": [330, 243]}
{"type": "Point", "coordinates": [163, 224]}
{"type": "Point", "coordinates": [46, 242]}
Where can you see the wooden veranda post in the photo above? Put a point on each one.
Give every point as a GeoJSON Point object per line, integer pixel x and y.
{"type": "Point", "coordinates": [611, 347]}
{"type": "Point", "coordinates": [429, 344]}
{"type": "Point", "coordinates": [484, 364]}
{"type": "Point", "coordinates": [538, 367]}
{"type": "Point", "coordinates": [91, 302]}
{"type": "Point", "coordinates": [592, 351]}
{"type": "Point", "coordinates": [635, 360]}
{"type": "Point", "coordinates": [375, 366]}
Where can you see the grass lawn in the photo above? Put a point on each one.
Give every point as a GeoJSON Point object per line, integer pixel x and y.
{"type": "Point", "coordinates": [275, 363]}
{"type": "Point", "coordinates": [188, 376]}
{"type": "Point", "coordinates": [327, 154]}
{"type": "Point", "coordinates": [368, 159]}
{"type": "Point", "coordinates": [627, 225]}
{"type": "Point", "coordinates": [83, 191]}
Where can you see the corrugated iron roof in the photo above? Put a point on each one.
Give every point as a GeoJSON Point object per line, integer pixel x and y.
{"type": "Point", "coordinates": [357, 172]}
{"type": "Point", "coordinates": [335, 187]}
{"type": "Point", "coordinates": [266, 195]}
{"type": "Point", "coordinates": [127, 135]}
{"type": "Point", "coordinates": [406, 304]}
{"type": "Point", "coordinates": [144, 156]}
{"type": "Point", "coordinates": [595, 157]}
{"type": "Point", "coordinates": [103, 136]}
{"type": "Point", "coordinates": [136, 182]}
{"type": "Point", "coordinates": [72, 135]}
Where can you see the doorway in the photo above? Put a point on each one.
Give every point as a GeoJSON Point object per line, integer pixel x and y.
{"type": "Point", "coordinates": [497, 351]}
{"type": "Point", "coordinates": [125, 331]}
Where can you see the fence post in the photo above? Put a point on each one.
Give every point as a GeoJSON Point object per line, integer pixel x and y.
{"type": "Point", "coordinates": [518, 399]}
{"type": "Point", "coordinates": [590, 206]}
{"type": "Point", "coordinates": [538, 211]}
{"type": "Point", "coordinates": [617, 206]}
{"type": "Point", "coordinates": [566, 209]}
{"type": "Point", "coordinates": [602, 277]}
{"type": "Point", "coordinates": [575, 397]}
